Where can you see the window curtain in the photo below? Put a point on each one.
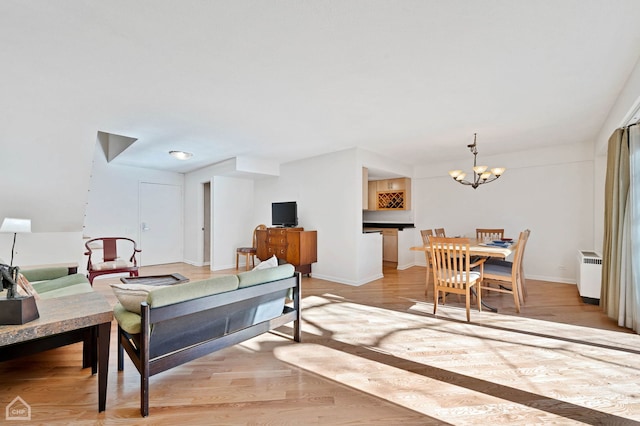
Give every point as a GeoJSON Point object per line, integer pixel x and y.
{"type": "Point", "coordinates": [620, 293]}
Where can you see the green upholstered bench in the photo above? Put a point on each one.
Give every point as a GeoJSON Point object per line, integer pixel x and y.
{"type": "Point", "coordinates": [172, 325]}
{"type": "Point", "coordinates": [53, 282]}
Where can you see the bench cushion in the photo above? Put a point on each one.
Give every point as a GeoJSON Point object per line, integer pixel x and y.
{"type": "Point", "coordinates": [84, 287]}
{"type": "Point", "coordinates": [259, 276]}
{"type": "Point", "coordinates": [127, 320]}
{"type": "Point", "coordinates": [44, 274]}
{"type": "Point", "coordinates": [168, 295]}
{"type": "Point", "coordinates": [57, 283]}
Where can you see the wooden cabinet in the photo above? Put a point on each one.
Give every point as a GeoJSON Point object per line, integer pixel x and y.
{"type": "Point", "coordinates": [390, 194]}
{"type": "Point", "coordinates": [293, 245]}
{"type": "Point", "coordinates": [373, 193]}
{"type": "Point", "coordinates": [390, 245]}
{"type": "Point", "coordinates": [365, 188]}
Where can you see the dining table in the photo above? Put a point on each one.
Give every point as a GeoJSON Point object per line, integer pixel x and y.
{"type": "Point", "coordinates": [479, 248]}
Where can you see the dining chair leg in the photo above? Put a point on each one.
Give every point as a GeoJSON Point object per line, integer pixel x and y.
{"type": "Point", "coordinates": [523, 284]}
{"type": "Point", "coordinates": [426, 281]}
{"type": "Point", "coordinates": [435, 300]}
{"type": "Point", "coordinates": [237, 259]}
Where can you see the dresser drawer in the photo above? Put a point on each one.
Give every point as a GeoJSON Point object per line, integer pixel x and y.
{"type": "Point", "coordinates": [280, 252]}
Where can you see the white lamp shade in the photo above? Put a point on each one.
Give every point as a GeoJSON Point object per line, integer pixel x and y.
{"type": "Point", "coordinates": [13, 225]}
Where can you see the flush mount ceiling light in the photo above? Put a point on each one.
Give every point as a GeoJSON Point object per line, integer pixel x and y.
{"type": "Point", "coordinates": [181, 155]}
{"type": "Point", "coordinates": [480, 173]}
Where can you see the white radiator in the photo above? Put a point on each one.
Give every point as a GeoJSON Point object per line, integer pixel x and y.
{"type": "Point", "coordinates": [589, 276]}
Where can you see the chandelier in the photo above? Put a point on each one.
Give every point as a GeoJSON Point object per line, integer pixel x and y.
{"type": "Point", "coordinates": [480, 173]}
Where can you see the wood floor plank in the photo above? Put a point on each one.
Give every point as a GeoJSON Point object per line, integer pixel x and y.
{"type": "Point", "coordinates": [370, 355]}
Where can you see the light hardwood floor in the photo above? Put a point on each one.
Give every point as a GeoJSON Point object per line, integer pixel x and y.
{"type": "Point", "coordinates": [372, 354]}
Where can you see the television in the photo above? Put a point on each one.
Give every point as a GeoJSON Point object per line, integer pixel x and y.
{"type": "Point", "coordinates": [284, 214]}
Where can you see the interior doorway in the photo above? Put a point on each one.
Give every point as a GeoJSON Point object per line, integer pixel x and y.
{"type": "Point", "coordinates": [160, 223]}
{"type": "Point", "coordinates": [206, 223]}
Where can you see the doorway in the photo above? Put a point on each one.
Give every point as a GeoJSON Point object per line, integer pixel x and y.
{"type": "Point", "coordinates": [206, 223]}
{"type": "Point", "coordinates": [160, 223]}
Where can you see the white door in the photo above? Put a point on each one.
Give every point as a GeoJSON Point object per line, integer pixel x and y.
{"type": "Point", "coordinates": [160, 223]}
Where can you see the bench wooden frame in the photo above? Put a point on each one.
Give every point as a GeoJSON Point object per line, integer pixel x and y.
{"type": "Point", "coordinates": [217, 305]}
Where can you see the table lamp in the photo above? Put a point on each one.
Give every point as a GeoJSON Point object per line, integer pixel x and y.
{"type": "Point", "coordinates": [14, 225]}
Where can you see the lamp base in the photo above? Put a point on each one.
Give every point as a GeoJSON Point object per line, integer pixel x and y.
{"type": "Point", "coordinates": [18, 311]}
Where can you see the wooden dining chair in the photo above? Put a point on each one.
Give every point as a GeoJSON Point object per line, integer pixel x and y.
{"type": "Point", "coordinates": [523, 282]}
{"type": "Point", "coordinates": [426, 235]}
{"type": "Point", "coordinates": [249, 252]}
{"type": "Point", "coordinates": [506, 275]}
{"type": "Point", "coordinates": [483, 234]}
{"type": "Point", "coordinates": [439, 232]}
{"type": "Point", "coordinates": [452, 271]}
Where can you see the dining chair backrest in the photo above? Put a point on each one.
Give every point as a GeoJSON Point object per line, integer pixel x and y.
{"type": "Point", "coordinates": [523, 281]}
{"type": "Point", "coordinates": [426, 234]}
{"type": "Point", "coordinates": [519, 252]}
{"type": "Point", "coordinates": [483, 234]}
{"type": "Point", "coordinates": [439, 232]}
{"type": "Point", "coordinates": [452, 270]}
{"type": "Point", "coordinates": [450, 260]}
{"type": "Point", "coordinates": [508, 273]}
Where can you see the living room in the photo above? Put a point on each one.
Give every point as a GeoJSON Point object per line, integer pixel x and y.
{"type": "Point", "coordinates": [92, 72]}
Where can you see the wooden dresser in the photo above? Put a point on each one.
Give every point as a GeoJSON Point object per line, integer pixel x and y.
{"type": "Point", "coordinates": [293, 245]}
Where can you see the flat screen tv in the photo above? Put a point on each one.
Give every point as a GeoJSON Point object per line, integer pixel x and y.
{"type": "Point", "coordinates": [284, 214]}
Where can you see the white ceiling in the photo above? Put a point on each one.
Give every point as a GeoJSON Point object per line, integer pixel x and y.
{"type": "Point", "coordinates": [288, 79]}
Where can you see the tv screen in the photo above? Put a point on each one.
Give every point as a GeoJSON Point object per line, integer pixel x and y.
{"type": "Point", "coordinates": [284, 214]}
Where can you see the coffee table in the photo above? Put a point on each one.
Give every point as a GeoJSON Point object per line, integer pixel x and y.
{"type": "Point", "coordinates": [167, 279]}
{"type": "Point", "coordinates": [84, 317]}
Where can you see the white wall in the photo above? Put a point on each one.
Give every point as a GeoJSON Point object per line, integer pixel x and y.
{"type": "Point", "coordinates": [40, 248]}
{"type": "Point", "coordinates": [232, 222]}
{"type": "Point", "coordinates": [327, 189]}
{"type": "Point", "coordinates": [549, 191]}
{"type": "Point", "coordinates": [232, 211]}
{"type": "Point", "coordinates": [113, 202]}
{"type": "Point", "coordinates": [370, 248]}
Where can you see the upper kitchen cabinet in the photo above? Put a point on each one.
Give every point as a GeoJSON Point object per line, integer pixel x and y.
{"type": "Point", "coordinates": [365, 188]}
{"type": "Point", "coordinates": [390, 194]}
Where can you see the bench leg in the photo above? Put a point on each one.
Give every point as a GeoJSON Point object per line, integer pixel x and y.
{"type": "Point", "coordinates": [144, 394]}
{"type": "Point", "coordinates": [120, 351]}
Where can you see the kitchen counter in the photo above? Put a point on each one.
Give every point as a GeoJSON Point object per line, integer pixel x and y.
{"type": "Point", "coordinates": [379, 225]}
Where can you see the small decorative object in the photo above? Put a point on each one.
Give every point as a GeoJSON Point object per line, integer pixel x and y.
{"type": "Point", "coordinates": [15, 309]}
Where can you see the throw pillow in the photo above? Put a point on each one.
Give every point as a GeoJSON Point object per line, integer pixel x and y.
{"type": "Point", "coordinates": [131, 296]}
{"type": "Point", "coordinates": [272, 262]}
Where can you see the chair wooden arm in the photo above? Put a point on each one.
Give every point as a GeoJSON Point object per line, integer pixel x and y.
{"type": "Point", "coordinates": [478, 262]}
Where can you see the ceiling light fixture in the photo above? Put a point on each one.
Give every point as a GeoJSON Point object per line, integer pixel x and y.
{"type": "Point", "coordinates": [480, 173]}
{"type": "Point", "coordinates": [181, 155]}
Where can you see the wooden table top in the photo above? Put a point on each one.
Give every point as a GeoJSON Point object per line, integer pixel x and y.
{"type": "Point", "coordinates": [59, 315]}
{"type": "Point", "coordinates": [476, 248]}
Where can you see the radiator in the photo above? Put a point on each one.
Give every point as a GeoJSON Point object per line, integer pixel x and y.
{"type": "Point", "coordinates": [589, 276]}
